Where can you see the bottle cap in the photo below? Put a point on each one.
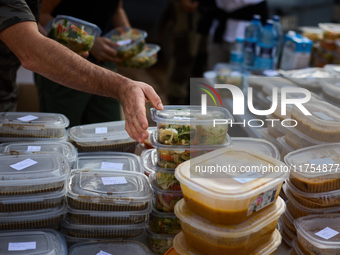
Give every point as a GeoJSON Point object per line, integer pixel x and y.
{"type": "Point", "coordinates": [276, 18]}
{"type": "Point", "coordinates": [238, 39]}
{"type": "Point", "coordinates": [256, 16]}
{"type": "Point", "coordinates": [270, 21]}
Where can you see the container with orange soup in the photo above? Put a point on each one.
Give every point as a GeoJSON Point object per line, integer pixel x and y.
{"type": "Point", "coordinates": [242, 184]}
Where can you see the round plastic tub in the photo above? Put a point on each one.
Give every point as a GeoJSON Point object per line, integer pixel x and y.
{"type": "Point", "coordinates": [164, 223]}
{"type": "Point", "coordinates": [314, 169]}
{"type": "Point", "coordinates": [186, 125]}
{"type": "Point", "coordinates": [159, 243]}
{"type": "Point", "coordinates": [319, 234]}
{"type": "Point", "coordinates": [211, 238]}
{"type": "Point", "coordinates": [285, 148]}
{"type": "Point", "coordinates": [145, 59]}
{"type": "Point", "coordinates": [298, 140]}
{"type": "Point", "coordinates": [232, 195]}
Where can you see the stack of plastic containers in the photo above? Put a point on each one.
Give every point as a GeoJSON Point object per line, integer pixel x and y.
{"type": "Point", "coordinates": [313, 187]}
{"type": "Point", "coordinates": [230, 212]}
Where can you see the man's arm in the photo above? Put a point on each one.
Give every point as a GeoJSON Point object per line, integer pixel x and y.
{"type": "Point", "coordinates": [51, 59]}
{"type": "Point", "coordinates": [119, 18]}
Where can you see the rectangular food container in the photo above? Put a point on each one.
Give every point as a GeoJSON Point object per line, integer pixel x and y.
{"type": "Point", "coordinates": [120, 247]}
{"type": "Point", "coordinates": [266, 136]}
{"type": "Point", "coordinates": [106, 190]}
{"type": "Point", "coordinates": [211, 238]}
{"type": "Point", "coordinates": [33, 125]}
{"type": "Point", "coordinates": [288, 220]}
{"type": "Point", "coordinates": [331, 90]}
{"type": "Point", "coordinates": [130, 41]}
{"type": "Point", "coordinates": [108, 218]}
{"type": "Point", "coordinates": [101, 136]}
{"type": "Point", "coordinates": [164, 223]}
{"type": "Point", "coordinates": [32, 174]}
{"type": "Point", "coordinates": [285, 148]}
{"type": "Point", "coordinates": [45, 218]}
{"type": "Point", "coordinates": [30, 140]}
{"type": "Point", "coordinates": [185, 125]}
{"type": "Point", "coordinates": [228, 73]}
{"type": "Point", "coordinates": [102, 231]}
{"type": "Point", "coordinates": [287, 235]}
{"type": "Point", "coordinates": [159, 243]}
{"type": "Point", "coordinates": [319, 234]}
{"type": "Point", "coordinates": [145, 59]}
{"type": "Point", "coordinates": [247, 184]}
{"type": "Point", "coordinates": [314, 169]}
{"type": "Point", "coordinates": [31, 242]}
{"type": "Point", "coordinates": [296, 248]}
{"type": "Point", "coordinates": [165, 200]}
{"type": "Point", "coordinates": [170, 156]}
{"type": "Point", "coordinates": [275, 128]}
{"type": "Point", "coordinates": [149, 161]}
{"type": "Point", "coordinates": [64, 148]}
{"type": "Point", "coordinates": [109, 161]}
{"type": "Point", "coordinates": [76, 34]}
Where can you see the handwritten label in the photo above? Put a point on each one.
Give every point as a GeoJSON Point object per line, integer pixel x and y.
{"type": "Point", "coordinates": [114, 180]}
{"type": "Point", "coordinates": [103, 253]}
{"type": "Point", "coordinates": [112, 166]}
{"type": "Point", "coordinates": [33, 148]}
{"type": "Point", "coordinates": [327, 233]}
{"type": "Point", "coordinates": [23, 164]}
{"type": "Point", "coordinates": [247, 177]}
{"type": "Point", "coordinates": [322, 161]}
{"type": "Point", "coordinates": [322, 116]}
{"type": "Point", "coordinates": [28, 118]}
{"type": "Point", "coordinates": [22, 246]}
{"type": "Point", "coordinates": [124, 42]}
{"type": "Point", "coordinates": [101, 130]}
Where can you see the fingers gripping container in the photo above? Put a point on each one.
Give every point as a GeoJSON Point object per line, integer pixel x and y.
{"type": "Point", "coordinates": [185, 125]}
{"type": "Point", "coordinates": [32, 242]}
{"type": "Point", "coordinates": [211, 238]}
{"type": "Point", "coordinates": [32, 125]}
{"type": "Point", "coordinates": [101, 136]}
{"type": "Point", "coordinates": [76, 34]}
{"type": "Point", "coordinates": [232, 195]}
{"type": "Point", "coordinates": [145, 59]}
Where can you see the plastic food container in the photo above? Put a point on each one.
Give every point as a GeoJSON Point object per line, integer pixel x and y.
{"type": "Point", "coordinates": [312, 33]}
{"type": "Point", "coordinates": [165, 200]}
{"type": "Point", "coordinates": [299, 140]}
{"type": "Point", "coordinates": [77, 35]}
{"type": "Point", "coordinates": [260, 145]}
{"type": "Point", "coordinates": [285, 148]}
{"type": "Point", "coordinates": [319, 234]}
{"type": "Point", "coordinates": [296, 248]}
{"type": "Point", "coordinates": [30, 140]}
{"type": "Point", "coordinates": [287, 235]}
{"type": "Point", "coordinates": [185, 125]}
{"type": "Point", "coordinates": [275, 128]}
{"type": "Point", "coordinates": [227, 73]}
{"type": "Point", "coordinates": [105, 190]}
{"type": "Point", "coordinates": [130, 41]}
{"type": "Point", "coordinates": [331, 89]}
{"type": "Point", "coordinates": [288, 220]}
{"type": "Point", "coordinates": [32, 174]}
{"type": "Point", "coordinates": [108, 218]}
{"type": "Point", "coordinates": [102, 231]}
{"type": "Point", "coordinates": [112, 248]}
{"type": "Point", "coordinates": [32, 202]}
{"type": "Point", "coordinates": [158, 243]}
{"type": "Point", "coordinates": [269, 138]}
{"type": "Point", "coordinates": [314, 169]}
{"type": "Point", "coordinates": [233, 195]}
{"type": "Point", "coordinates": [170, 156]}
{"type": "Point", "coordinates": [109, 161]}
{"type": "Point", "coordinates": [211, 238]}
{"type": "Point", "coordinates": [32, 242]}
{"type": "Point", "coordinates": [148, 160]}
{"type": "Point", "coordinates": [64, 148]}
{"type": "Point", "coordinates": [145, 59]}
{"type": "Point", "coordinates": [46, 218]}
{"type": "Point", "coordinates": [33, 125]}
{"type": "Point", "coordinates": [324, 123]}
{"type": "Point", "coordinates": [164, 223]}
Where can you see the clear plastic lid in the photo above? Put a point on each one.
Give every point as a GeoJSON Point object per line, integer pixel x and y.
{"type": "Point", "coordinates": [109, 161]}
{"type": "Point", "coordinates": [330, 27]}
{"type": "Point", "coordinates": [64, 148]}
{"type": "Point", "coordinates": [300, 140]}
{"type": "Point", "coordinates": [268, 137]}
{"type": "Point", "coordinates": [105, 186]}
{"type": "Point", "coordinates": [110, 248]}
{"type": "Point", "coordinates": [320, 233]}
{"type": "Point", "coordinates": [324, 156]}
{"type": "Point", "coordinates": [256, 144]}
{"type": "Point", "coordinates": [284, 145]}
{"type": "Point", "coordinates": [125, 37]}
{"type": "Point", "coordinates": [32, 169]}
{"type": "Point", "coordinates": [149, 160]}
{"type": "Point", "coordinates": [274, 82]}
{"type": "Point", "coordinates": [331, 88]}
{"type": "Point", "coordinates": [32, 242]}
{"type": "Point", "coordinates": [332, 68]}
{"type": "Point", "coordinates": [149, 51]}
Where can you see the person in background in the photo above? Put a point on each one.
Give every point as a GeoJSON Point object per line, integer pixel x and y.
{"type": "Point", "coordinates": [80, 107]}
{"type": "Point", "coordinates": [22, 43]}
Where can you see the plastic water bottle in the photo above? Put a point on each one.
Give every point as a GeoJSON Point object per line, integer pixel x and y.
{"type": "Point", "coordinates": [280, 39]}
{"type": "Point", "coordinates": [266, 47]}
{"type": "Point", "coordinates": [236, 54]}
{"type": "Point", "coordinates": [251, 36]}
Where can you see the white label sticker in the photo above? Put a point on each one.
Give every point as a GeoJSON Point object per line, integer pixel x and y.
{"type": "Point", "coordinates": [263, 200]}
{"type": "Point", "coordinates": [112, 166]}
{"type": "Point", "coordinates": [183, 118]}
{"type": "Point", "coordinates": [101, 130]}
{"type": "Point", "coordinates": [322, 161]}
{"type": "Point", "coordinates": [28, 118]}
{"type": "Point", "coordinates": [327, 233]}
{"type": "Point", "coordinates": [103, 253]}
{"type": "Point", "coordinates": [113, 180]}
{"type": "Point", "coordinates": [33, 148]}
{"type": "Point", "coordinates": [322, 116]}
{"type": "Point", "coordinates": [124, 42]}
{"type": "Point", "coordinates": [247, 177]}
{"type": "Point", "coordinates": [24, 164]}
{"type": "Point", "coordinates": [22, 246]}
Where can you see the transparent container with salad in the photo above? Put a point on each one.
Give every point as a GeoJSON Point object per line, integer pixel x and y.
{"type": "Point", "coordinates": [211, 238]}
{"type": "Point", "coordinates": [76, 34]}
{"type": "Point", "coordinates": [185, 125]}
{"type": "Point", "coordinates": [130, 41]}
{"type": "Point", "coordinates": [232, 195]}
{"type": "Point", "coordinates": [32, 125]}
{"type": "Point", "coordinates": [145, 59]}
{"type": "Point", "coordinates": [164, 223]}
{"type": "Point", "coordinates": [159, 243]}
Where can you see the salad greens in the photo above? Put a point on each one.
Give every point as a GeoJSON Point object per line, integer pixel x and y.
{"type": "Point", "coordinates": [145, 59]}
{"type": "Point", "coordinates": [166, 202]}
{"type": "Point", "coordinates": [167, 181]}
{"type": "Point", "coordinates": [164, 225]}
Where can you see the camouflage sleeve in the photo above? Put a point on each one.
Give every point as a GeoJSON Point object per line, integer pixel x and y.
{"type": "Point", "coordinates": [13, 12]}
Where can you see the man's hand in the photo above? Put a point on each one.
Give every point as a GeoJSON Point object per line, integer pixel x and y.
{"type": "Point", "coordinates": [133, 95]}
{"type": "Point", "coordinates": [189, 5]}
{"type": "Point", "coordinates": [103, 50]}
